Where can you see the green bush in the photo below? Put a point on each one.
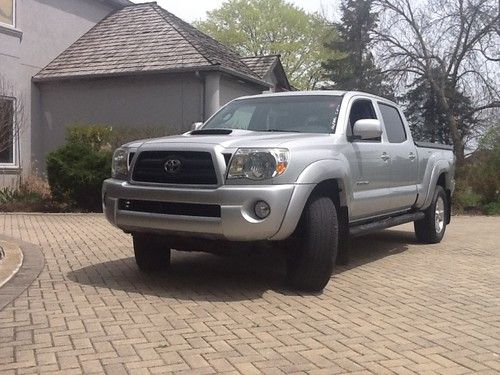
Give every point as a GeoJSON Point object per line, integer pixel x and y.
{"type": "Point", "coordinates": [96, 137]}
{"type": "Point", "coordinates": [466, 198]}
{"type": "Point", "coordinates": [76, 170]}
{"type": "Point", "coordinates": [478, 181]}
{"type": "Point", "coordinates": [492, 208]}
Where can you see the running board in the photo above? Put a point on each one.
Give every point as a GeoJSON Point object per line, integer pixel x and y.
{"type": "Point", "coordinates": [361, 229]}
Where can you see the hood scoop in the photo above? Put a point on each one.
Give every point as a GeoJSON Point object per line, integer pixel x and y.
{"type": "Point", "coordinates": [211, 132]}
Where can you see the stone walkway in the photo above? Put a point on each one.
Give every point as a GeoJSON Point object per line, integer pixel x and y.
{"type": "Point", "coordinates": [399, 307]}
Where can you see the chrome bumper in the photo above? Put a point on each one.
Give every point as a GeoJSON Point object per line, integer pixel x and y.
{"type": "Point", "coordinates": [236, 222]}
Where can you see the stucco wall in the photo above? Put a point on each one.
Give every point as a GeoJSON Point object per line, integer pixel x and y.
{"type": "Point", "coordinates": [172, 102]}
{"type": "Point", "coordinates": [44, 28]}
{"type": "Point", "coordinates": [231, 88]}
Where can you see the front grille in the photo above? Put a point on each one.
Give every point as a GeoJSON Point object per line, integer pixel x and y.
{"type": "Point", "coordinates": [170, 208]}
{"type": "Point", "coordinates": [191, 168]}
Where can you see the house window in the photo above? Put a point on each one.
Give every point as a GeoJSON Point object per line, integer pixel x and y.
{"type": "Point", "coordinates": [7, 131]}
{"type": "Point", "coordinates": [7, 12]}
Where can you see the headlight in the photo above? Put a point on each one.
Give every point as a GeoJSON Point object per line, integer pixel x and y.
{"type": "Point", "coordinates": [258, 164]}
{"type": "Point", "coordinates": [119, 165]}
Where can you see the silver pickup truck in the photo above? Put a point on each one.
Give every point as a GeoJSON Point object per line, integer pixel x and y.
{"type": "Point", "coordinates": [302, 170]}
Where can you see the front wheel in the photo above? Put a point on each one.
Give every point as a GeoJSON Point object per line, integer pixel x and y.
{"type": "Point", "coordinates": [311, 260]}
{"type": "Point", "coordinates": [152, 253]}
{"type": "Point", "coordinates": [431, 228]}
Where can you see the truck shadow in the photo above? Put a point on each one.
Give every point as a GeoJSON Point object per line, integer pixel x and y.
{"type": "Point", "coordinates": [242, 276]}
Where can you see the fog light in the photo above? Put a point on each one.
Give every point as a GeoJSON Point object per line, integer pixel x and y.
{"type": "Point", "coordinates": [262, 209]}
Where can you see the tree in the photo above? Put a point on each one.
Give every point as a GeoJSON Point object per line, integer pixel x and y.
{"type": "Point", "coordinates": [264, 27]}
{"type": "Point", "coordinates": [452, 45]}
{"type": "Point", "coordinates": [12, 119]}
{"type": "Point", "coordinates": [427, 120]}
{"type": "Point", "coordinates": [352, 66]}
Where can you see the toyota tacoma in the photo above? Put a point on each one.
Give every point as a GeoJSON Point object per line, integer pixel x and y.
{"type": "Point", "coordinates": [303, 170]}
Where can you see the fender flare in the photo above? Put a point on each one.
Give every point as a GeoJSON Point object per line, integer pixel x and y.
{"type": "Point", "coordinates": [440, 167]}
{"type": "Point", "coordinates": [309, 178]}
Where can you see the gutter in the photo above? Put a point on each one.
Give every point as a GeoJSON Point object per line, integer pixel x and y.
{"type": "Point", "coordinates": [206, 68]}
{"type": "Point", "coordinates": [121, 3]}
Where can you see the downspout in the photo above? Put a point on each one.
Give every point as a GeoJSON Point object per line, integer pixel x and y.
{"type": "Point", "coordinates": [203, 93]}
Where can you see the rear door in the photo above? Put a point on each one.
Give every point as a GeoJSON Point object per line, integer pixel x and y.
{"type": "Point", "coordinates": [403, 158]}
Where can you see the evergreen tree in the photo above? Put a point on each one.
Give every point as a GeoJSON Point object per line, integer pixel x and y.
{"type": "Point", "coordinates": [428, 121]}
{"type": "Point", "coordinates": [353, 67]}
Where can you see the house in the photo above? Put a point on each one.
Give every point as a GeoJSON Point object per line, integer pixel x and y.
{"type": "Point", "coordinates": [32, 33]}
{"type": "Point", "coordinates": [141, 66]}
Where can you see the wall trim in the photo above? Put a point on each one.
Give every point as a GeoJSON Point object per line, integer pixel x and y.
{"type": "Point", "coordinates": [10, 30]}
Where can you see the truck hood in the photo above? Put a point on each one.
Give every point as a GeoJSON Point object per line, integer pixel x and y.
{"type": "Point", "coordinates": [237, 138]}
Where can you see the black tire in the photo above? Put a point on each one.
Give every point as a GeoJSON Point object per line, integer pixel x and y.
{"type": "Point", "coordinates": [310, 262]}
{"type": "Point", "coordinates": [431, 228]}
{"type": "Point", "coordinates": [152, 253]}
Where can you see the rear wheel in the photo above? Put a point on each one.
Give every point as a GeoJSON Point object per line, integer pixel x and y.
{"type": "Point", "coordinates": [431, 228]}
{"type": "Point", "coordinates": [311, 260]}
{"type": "Point", "coordinates": [152, 253]}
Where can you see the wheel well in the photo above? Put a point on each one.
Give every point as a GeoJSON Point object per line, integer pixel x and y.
{"type": "Point", "coordinates": [334, 190]}
{"type": "Point", "coordinates": [329, 188]}
{"type": "Point", "coordinates": [442, 180]}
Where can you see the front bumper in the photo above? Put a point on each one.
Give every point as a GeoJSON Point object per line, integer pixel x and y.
{"type": "Point", "coordinates": [236, 222]}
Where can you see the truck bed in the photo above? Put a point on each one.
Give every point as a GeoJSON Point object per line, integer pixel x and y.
{"type": "Point", "coordinates": [438, 146]}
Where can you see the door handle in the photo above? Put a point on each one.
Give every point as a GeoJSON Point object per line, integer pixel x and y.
{"type": "Point", "coordinates": [384, 156]}
{"type": "Point", "coordinates": [412, 156]}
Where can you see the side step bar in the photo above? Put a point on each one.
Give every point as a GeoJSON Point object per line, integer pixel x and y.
{"type": "Point", "coordinates": [361, 229]}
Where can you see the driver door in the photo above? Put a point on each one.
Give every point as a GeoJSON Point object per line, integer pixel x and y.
{"type": "Point", "coordinates": [369, 165]}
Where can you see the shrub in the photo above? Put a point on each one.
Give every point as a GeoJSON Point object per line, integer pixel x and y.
{"type": "Point", "coordinates": [492, 208]}
{"type": "Point", "coordinates": [76, 170]}
{"type": "Point", "coordinates": [33, 195]}
{"type": "Point", "coordinates": [466, 199]}
{"type": "Point", "coordinates": [96, 137]}
{"type": "Point", "coordinates": [478, 181]}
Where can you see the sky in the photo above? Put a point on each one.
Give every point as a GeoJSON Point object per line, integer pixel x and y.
{"type": "Point", "coordinates": [193, 10]}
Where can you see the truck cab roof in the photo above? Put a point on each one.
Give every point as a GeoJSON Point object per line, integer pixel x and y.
{"type": "Point", "coordinates": [346, 94]}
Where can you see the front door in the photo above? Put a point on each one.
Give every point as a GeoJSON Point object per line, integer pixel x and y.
{"type": "Point", "coordinates": [370, 167]}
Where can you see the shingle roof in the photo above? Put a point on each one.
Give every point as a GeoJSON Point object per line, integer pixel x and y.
{"type": "Point", "coordinates": [143, 38]}
{"type": "Point", "coordinates": [260, 64]}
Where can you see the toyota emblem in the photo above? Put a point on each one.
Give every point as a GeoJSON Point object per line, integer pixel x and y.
{"type": "Point", "coordinates": [172, 166]}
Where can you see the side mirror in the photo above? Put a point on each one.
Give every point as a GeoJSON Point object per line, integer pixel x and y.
{"type": "Point", "coordinates": [196, 125]}
{"type": "Point", "coordinates": [367, 129]}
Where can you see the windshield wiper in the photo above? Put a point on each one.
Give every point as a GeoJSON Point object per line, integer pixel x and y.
{"type": "Point", "coordinates": [282, 130]}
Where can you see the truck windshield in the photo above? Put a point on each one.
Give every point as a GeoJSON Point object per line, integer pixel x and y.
{"type": "Point", "coordinates": [301, 114]}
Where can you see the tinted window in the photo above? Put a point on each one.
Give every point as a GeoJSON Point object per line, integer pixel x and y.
{"type": "Point", "coordinates": [393, 124]}
{"type": "Point", "coordinates": [305, 114]}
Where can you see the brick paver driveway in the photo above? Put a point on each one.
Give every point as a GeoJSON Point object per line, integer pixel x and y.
{"type": "Point", "coordinates": [399, 307]}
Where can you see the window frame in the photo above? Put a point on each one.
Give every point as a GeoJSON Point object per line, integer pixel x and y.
{"type": "Point", "coordinates": [13, 25]}
{"type": "Point", "coordinates": [15, 137]}
{"type": "Point", "coordinates": [401, 118]}
{"type": "Point", "coordinates": [376, 114]}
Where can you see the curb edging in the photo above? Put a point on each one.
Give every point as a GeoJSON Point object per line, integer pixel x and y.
{"type": "Point", "coordinates": [33, 263]}
{"type": "Point", "coordinates": [11, 258]}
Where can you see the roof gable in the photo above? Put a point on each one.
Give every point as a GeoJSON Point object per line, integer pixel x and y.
{"type": "Point", "coordinates": [143, 38]}
{"type": "Point", "coordinates": [264, 65]}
